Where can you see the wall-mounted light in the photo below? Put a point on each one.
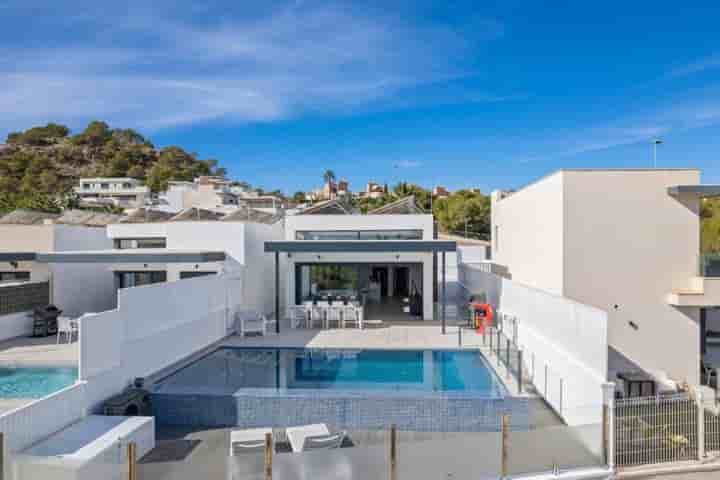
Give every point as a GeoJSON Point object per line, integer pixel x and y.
{"type": "Point", "coordinates": [319, 257]}
{"type": "Point", "coordinates": [14, 264]}
{"type": "Point", "coordinates": [289, 255]}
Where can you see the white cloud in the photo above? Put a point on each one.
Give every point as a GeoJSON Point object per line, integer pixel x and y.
{"type": "Point", "coordinates": [407, 164]}
{"type": "Point", "coordinates": [150, 70]}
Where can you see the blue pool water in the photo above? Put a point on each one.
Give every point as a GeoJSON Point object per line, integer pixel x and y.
{"type": "Point", "coordinates": [34, 382]}
{"type": "Point", "coordinates": [228, 370]}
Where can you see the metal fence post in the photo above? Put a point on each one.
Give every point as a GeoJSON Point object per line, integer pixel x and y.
{"type": "Point", "coordinates": [491, 342]}
{"type": "Point", "coordinates": [498, 344]}
{"type": "Point", "coordinates": [507, 354]}
{"type": "Point", "coordinates": [132, 460]}
{"type": "Point", "coordinates": [268, 456]}
{"type": "Point", "coordinates": [561, 396]}
{"type": "Point", "coordinates": [700, 423]}
{"type": "Point", "coordinates": [520, 371]}
{"type": "Point", "coordinates": [608, 427]}
{"type": "Point", "coordinates": [546, 375]}
{"type": "Point", "coordinates": [393, 452]}
{"type": "Point", "coordinates": [2, 456]}
{"type": "Point", "coordinates": [504, 447]}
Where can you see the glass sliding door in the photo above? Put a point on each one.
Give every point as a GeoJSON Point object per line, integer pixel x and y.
{"type": "Point", "coordinates": [320, 280]}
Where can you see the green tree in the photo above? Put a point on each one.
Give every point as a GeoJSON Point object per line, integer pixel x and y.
{"type": "Point", "coordinates": [94, 135]}
{"type": "Point", "coordinates": [329, 176]}
{"type": "Point", "coordinates": [464, 208]}
{"type": "Point", "coordinates": [299, 197]}
{"type": "Point", "coordinates": [38, 136]}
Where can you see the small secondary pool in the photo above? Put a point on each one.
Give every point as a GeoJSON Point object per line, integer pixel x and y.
{"type": "Point", "coordinates": [423, 390]}
{"type": "Point", "coordinates": [34, 382]}
{"type": "Point", "coordinates": [230, 369]}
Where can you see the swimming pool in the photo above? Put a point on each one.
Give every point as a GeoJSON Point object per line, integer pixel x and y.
{"type": "Point", "coordinates": [227, 370]}
{"type": "Point", "coordinates": [34, 382]}
{"type": "Point", "coordinates": [422, 390]}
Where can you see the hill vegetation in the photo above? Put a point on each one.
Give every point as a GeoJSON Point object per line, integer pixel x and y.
{"type": "Point", "coordinates": [39, 167]}
{"type": "Point", "coordinates": [463, 211]}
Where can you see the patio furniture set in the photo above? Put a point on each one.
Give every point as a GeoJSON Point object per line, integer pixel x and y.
{"type": "Point", "coordinates": [325, 315]}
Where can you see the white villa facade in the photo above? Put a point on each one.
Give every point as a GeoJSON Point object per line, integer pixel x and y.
{"type": "Point", "coordinates": [624, 241]}
{"type": "Point", "coordinates": [383, 277]}
{"type": "Point", "coordinates": [121, 192]}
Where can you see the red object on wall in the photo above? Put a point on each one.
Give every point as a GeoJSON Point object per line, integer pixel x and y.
{"type": "Point", "coordinates": [482, 316]}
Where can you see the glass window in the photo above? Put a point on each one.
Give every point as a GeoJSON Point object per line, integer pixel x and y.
{"type": "Point", "coordinates": [325, 280]}
{"type": "Point", "coordinates": [195, 273]}
{"type": "Point", "coordinates": [391, 235]}
{"type": "Point", "coordinates": [127, 185]}
{"type": "Point", "coordinates": [14, 276]}
{"type": "Point", "coordinates": [137, 279]}
{"type": "Point", "coordinates": [104, 186]}
{"type": "Point", "coordinates": [127, 243]}
{"type": "Point", "coordinates": [359, 235]}
{"type": "Point", "coordinates": [326, 235]}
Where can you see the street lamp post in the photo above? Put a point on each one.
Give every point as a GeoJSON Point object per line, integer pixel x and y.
{"type": "Point", "coordinates": [656, 142]}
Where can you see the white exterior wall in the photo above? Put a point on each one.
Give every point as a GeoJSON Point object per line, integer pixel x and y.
{"type": "Point", "coordinates": [359, 222]}
{"type": "Point", "coordinates": [616, 240]}
{"type": "Point", "coordinates": [242, 242]}
{"type": "Point", "coordinates": [627, 245]}
{"type": "Point", "coordinates": [363, 222]}
{"type": "Point", "coordinates": [527, 231]}
{"type": "Point", "coordinates": [80, 288]}
{"type": "Point", "coordinates": [567, 337]}
{"type": "Point", "coordinates": [27, 238]}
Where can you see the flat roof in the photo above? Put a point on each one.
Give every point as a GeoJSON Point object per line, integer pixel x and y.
{"type": "Point", "coordinates": [147, 255]}
{"type": "Point", "coordinates": [320, 246]}
{"type": "Point", "coordinates": [699, 190]}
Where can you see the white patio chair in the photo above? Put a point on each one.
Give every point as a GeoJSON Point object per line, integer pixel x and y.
{"type": "Point", "coordinates": [334, 316]}
{"type": "Point", "coordinates": [298, 316]}
{"type": "Point", "coordinates": [252, 322]}
{"type": "Point", "coordinates": [317, 317]}
{"type": "Point", "coordinates": [313, 437]}
{"type": "Point", "coordinates": [350, 317]}
{"type": "Point", "coordinates": [64, 327]}
{"type": "Point", "coordinates": [246, 457]}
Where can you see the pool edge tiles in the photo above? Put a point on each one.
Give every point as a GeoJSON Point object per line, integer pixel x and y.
{"type": "Point", "coordinates": [416, 410]}
{"type": "Point", "coordinates": [428, 414]}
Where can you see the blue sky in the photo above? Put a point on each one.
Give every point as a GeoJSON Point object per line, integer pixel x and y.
{"type": "Point", "coordinates": [464, 94]}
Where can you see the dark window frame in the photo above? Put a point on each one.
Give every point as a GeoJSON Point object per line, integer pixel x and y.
{"type": "Point", "coordinates": [416, 234]}
{"type": "Point", "coordinates": [118, 242]}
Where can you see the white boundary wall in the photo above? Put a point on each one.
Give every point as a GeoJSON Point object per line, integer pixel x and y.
{"type": "Point", "coordinates": [153, 327]}
{"type": "Point", "coordinates": [38, 420]}
{"type": "Point", "coordinates": [567, 336]}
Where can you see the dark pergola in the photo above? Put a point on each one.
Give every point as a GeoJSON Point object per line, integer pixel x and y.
{"type": "Point", "coordinates": [358, 246]}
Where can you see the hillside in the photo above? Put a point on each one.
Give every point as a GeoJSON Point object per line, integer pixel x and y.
{"type": "Point", "coordinates": [39, 167]}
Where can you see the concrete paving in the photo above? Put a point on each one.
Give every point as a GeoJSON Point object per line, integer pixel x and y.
{"type": "Point", "coordinates": [40, 352]}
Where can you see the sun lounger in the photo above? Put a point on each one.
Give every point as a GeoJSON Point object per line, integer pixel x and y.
{"type": "Point", "coordinates": [313, 437]}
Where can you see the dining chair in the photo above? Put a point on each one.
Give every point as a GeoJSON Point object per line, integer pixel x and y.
{"type": "Point", "coordinates": [334, 316]}
{"type": "Point", "coordinates": [350, 317]}
{"type": "Point", "coordinates": [317, 316]}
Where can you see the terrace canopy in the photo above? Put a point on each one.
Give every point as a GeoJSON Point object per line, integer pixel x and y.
{"type": "Point", "coordinates": [359, 246]}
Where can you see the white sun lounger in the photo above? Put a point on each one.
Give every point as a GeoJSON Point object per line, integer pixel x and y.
{"type": "Point", "coordinates": [313, 437]}
{"type": "Point", "coordinates": [248, 441]}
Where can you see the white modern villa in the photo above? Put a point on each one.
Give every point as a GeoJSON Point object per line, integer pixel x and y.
{"type": "Point", "coordinates": [594, 275]}
{"type": "Point", "coordinates": [121, 192]}
{"type": "Point", "coordinates": [626, 242]}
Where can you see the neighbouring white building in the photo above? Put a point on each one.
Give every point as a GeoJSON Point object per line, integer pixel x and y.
{"type": "Point", "coordinates": [121, 192]}
{"type": "Point", "coordinates": [240, 241]}
{"type": "Point", "coordinates": [214, 194]}
{"type": "Point", "coordinates": [73, 288]}
{"type": "Point", "coordinates": [626, 242]}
